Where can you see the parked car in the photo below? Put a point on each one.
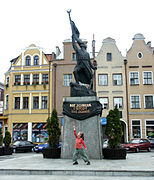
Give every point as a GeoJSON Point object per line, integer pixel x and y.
{"type": "Point", "coordinates": [136, 145]}
{"type": "Point", "coordinates": [105, 143]}
{"type": "Point", "coordinates": [23, 146]}
{"type": "Point", "coordinates": [152, 142]}
{"type": "Point", "coordinates": [39, 148]}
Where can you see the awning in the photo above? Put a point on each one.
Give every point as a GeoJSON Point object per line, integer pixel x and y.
{"type": "Point", "coordinates": [3, 118]}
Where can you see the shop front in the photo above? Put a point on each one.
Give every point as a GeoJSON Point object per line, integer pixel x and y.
{"type": "Point", "coordinates": [20, 131]}
{"type": "Point", "coordinates": [150, 129]}
{"type": "Point", "coordinates": [35, 132]}
{"type": "Point", "coordinates": [39, 133]}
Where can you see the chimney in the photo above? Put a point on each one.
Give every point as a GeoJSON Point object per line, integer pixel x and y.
{"type": "Point", "coordinates": [149, 44]}
{"type": "Point", "coordinates": [57, 51]}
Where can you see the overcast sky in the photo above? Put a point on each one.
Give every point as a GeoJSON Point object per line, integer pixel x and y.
{"type": "Point", "coordinates": [45, 23]}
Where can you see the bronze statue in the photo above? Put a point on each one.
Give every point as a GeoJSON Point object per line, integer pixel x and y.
{"type": "Point", "coordinates": [83, 69]}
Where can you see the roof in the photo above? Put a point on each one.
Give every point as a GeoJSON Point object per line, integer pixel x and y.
{"type": "Point", "coordinates": [50, 56]}
{"type": "Point", "coordinates": [138, 36]}
{"type": "Point", "coordinates": [109, 40]}
{"type": "Point", "coordinates": [14, 60]}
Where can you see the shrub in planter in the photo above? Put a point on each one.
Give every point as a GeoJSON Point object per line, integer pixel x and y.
{"type": "Point", "coordinates": [7, 142]}
{"type": "Point", "coordinates": [114, 133]}
{"type": "Point", "coordinates": [1, 142]}
{"type": "Point", "coordinates": [1, 137]}
{"type": "Point", "coordinates": [53, 131]}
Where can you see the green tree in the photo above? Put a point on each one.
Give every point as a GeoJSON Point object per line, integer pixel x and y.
{"type": "Point", "coordinates": [7, 139]}
{"type": "Point", "coordinates": [113, 128]}
{"type": "Point", "coordinates": [1, 137]}
{"type": "Point", "coordinates": [53, 130]}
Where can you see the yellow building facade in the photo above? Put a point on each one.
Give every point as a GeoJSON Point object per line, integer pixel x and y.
{"type": "Point", "coordinates": [26, 95]}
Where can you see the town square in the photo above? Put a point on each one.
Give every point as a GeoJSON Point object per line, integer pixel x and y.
{"type": "Point", "coordinates": [68, 108]}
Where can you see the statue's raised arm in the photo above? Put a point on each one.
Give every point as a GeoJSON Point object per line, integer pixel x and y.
{"type": "Point", "coordinates": [69, 12]}
{"type": "Point", "coordinates": [75, 31]}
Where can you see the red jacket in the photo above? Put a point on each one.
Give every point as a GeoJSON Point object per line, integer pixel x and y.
{"type": "Point", "coordinates": [79, 141]}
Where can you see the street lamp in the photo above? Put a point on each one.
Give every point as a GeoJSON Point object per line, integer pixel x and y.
{"type": "Point", "coordinates": [95, 64]}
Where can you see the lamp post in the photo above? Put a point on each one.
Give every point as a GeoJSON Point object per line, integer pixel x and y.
{"type": "Point", "coordinates": [95, 64]}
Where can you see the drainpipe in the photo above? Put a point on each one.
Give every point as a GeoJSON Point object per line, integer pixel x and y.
{"type": "Point", "coordinates": [55, 69]}
{"type": "Point", "coordinates": [49, 90]}
{"type": "Point", "coordinates": [125, 63]}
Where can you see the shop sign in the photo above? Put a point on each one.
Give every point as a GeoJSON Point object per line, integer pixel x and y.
{"type": "Point", "coordinates": [103, 121]}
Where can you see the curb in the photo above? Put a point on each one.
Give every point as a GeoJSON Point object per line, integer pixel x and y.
{"type": "Point", "coordinates": [146, 173]}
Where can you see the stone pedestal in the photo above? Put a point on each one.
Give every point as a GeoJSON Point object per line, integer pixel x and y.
{"type": "Point", "coordinates": [91, 128]}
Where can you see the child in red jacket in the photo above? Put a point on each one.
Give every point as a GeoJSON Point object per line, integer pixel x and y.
{"type": "Point", "coordinates": [79, 149]}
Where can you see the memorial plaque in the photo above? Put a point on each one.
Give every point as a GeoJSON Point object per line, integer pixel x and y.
{"type": "Point", "coordinates": [82, 110]}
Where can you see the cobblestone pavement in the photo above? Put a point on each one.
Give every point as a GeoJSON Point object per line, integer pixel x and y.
{"type": "Point", "coordinates": [142, 162]}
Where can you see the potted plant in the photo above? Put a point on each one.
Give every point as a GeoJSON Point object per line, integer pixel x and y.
{"type": "Point", "coordinates": [44, 84]}
{"type": "Point", "coordinates": [1, 142]}
{"type": "Point", "coordinates": [53, 130]}
{"type": "Point", "coordinates": [114, 133]}
{"type": "Point", "coordinates": [7, 142]}
{"type": "Point", "coordinates": [34, 84]}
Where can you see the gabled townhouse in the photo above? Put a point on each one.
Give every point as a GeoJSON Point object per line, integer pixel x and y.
{"type": "Point", "coordinates": [111, 82]}
{"type": "Point", "coordinates": [140, 80]}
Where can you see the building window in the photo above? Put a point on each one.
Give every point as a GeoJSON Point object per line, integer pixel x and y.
{"type": "Point", "coordinates": [117, 79]}
{"type": "Point", "coordinates": [104, 102]}
{"type": "Point", "coordinates": [36, 78]}
{"type": "Point", "coordinates": [17, 79]}
{"type": "Point", "coordinates": [118, 102]}
{"type": "Point", "coordinates": [147, 77]}
{"type": "Point", "coordinates": [25, 102]}
{"type": "Point", "coordinates": [149, 101]}
{"type": "Point", "coordinates": [27, 61]}
{"type": "Point", "coordinates": [6, 102]}
{"type": "Point", "coordinates": [134, 78]}
{"type": "Point", "coordinates": [7, 80]}
{"type": "Point", "coordinates": [26, 79]}
{"type": "Point", "coordinates": [36, 60]}
{"type": "Point", "coordinates": [44, 102]}
{"type": "Point", "coordinates": [17, 103]}
{"type": "Point", "coordinates": [73, 56]}
{"type": "Point", "coordinates": [109, 56]}
{"type": "Point", "coordinates": [150, 128]}
{"type": "Point", "coordinates": [135, 101]}
{"type": "Point", "coordinates": [102, 79]}
{"type": "Point", "coordinates": [67, 79]}
{"type": "Point", "coordinates": [45, 78]}
{"type": "Point", "coordinates": [136, 129]}
{"type": "Point", "coordinates": [140, 55]}
{"type": "Point", "coordinates": [35, 102]}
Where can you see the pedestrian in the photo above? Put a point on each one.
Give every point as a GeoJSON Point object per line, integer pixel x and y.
{"type": "Point", "coordinates": [79, 149]}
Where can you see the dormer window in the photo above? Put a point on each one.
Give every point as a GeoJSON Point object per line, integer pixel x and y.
{"type": "Point", "coordinates": [27, 61]}
{"type": "Point", "coordinates": [36, 60]}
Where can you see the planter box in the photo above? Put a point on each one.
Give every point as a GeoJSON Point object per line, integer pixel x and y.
{"type": "Point", "coordinates": [51, 153]}
{"type": "Point", "coordinates": [7, 150]}
{"type": "Point", "coordinates": [1, 151]}
{"type": "Point", "coordinates": [114, 153]}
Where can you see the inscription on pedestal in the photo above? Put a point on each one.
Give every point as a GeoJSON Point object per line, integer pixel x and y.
{"type": "Point", "coordinates": [82, 110]}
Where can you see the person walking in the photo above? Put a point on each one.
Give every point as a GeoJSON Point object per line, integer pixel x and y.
{"type": "Point", "coordinates": [79, 149]}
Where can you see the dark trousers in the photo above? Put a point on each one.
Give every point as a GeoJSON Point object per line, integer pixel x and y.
{"type": "Point", "coordinates": [82, 153]}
